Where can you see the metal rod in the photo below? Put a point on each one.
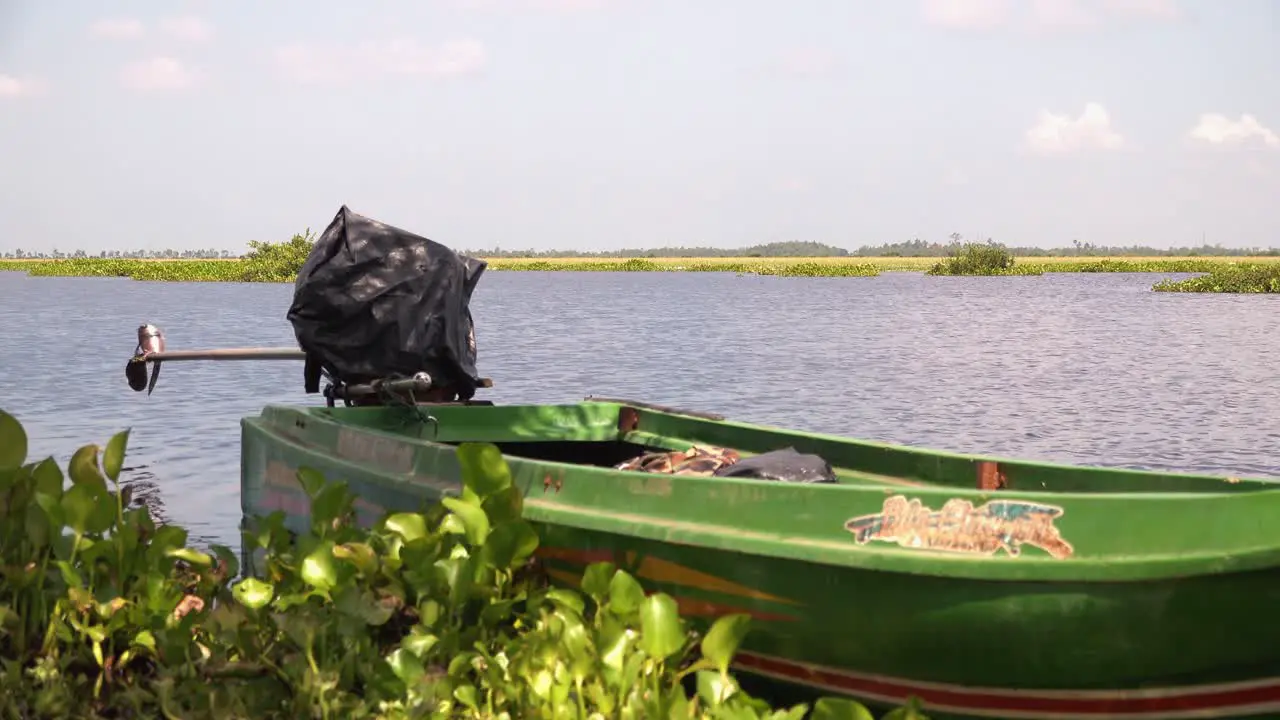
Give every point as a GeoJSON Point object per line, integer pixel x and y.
{"type": "Point", "coordinates": [225, 354]}
{"type": "Point", "coordinates": [419, 383]}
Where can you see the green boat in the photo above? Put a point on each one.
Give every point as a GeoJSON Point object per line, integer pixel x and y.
{"type": "Point", "coordinates": [986, 587]}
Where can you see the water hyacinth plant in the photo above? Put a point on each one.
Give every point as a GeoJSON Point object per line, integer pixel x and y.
{"type": "Point", "coordinates": [1228, 279]}
{"type": "Point", "coordinates": [989, 258]}
{"type": "Point", "coordinates": [436, 614]}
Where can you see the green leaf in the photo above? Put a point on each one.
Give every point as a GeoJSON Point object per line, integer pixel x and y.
{"type": "Point", "coordinates": [419, 642]}
{"type": "Point", "coordinates": [113, 456]}
{"type": "Point", "coordinates": [318, 570]}
{"type": "Point", "coordinates": [103, 517]}
{"type": "Point", "coordinates": [510, 544]}
{"type": "Point", "coordinates": [253, 593]}
{"type": "Point", "coordinates": [484, 470]}
{"type": "Point", "coordinates": [77, 506]}
{"type": "Point", "coordinates": [596, 578]}
{"type": "Point", "coordinates": [473, 520]}
{"type": "Point", "coordinates": [49, 479]}
{"type": "Point", "coordinates": [190, 556]}
{"type": "Point", "coordinates": [504, 506]}
{"type": "Point", "coordinates": [13, 442]}
{"type": "Point", "coordinates": [723, 639]}
{"type": "Point", "coordinates": [459, 574]}
{"type": "Point", "coordinates": [614, 641]}
{"type": "Point", "coordinates": [660, 633]}
{"type": "Point", "coordinates": [625, 593]}
{"type": "Point", "coordinates": [329, 503]}
{"type": "Point", "coordinates": [38, 525]}
{"type": "Point", "coordinates": [406, 667]}
{"type": "Point", "coordinates": [228, 559]}
{"type": "Point", "coordinates": [83, 468]}
{"type": "Point", "coordinates": [714, 688]}
{"type": "Point", "coordinates": [409, 526]}
{"type": "Point", "coordinates": [311, 481]}
{"type": "Point", "coordinates": [566, 599]}
{"type": "Point", "coordinates": [578, 649]}
{"type": "Point", "coordinates": [909, 711]}
{"type": "Point", "coordinates": [358, 554]}
{"type": "Point", "coordinates": [833, 708]}
{"type": "Point", "coordinates": [466, 694]}
{"type": "Point", "coordinates": [362, 604]}
{"type": "Point", "coordinates": [145, 639]}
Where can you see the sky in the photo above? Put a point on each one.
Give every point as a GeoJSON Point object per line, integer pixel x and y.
{"type": "Point", "coordinates": [607, 124]}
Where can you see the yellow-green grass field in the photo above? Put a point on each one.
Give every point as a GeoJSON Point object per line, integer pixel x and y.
{"type": "Point", "coordinates": [235, 270]}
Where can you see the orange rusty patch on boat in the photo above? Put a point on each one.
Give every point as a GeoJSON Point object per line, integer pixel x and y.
{"type": "Point", "coordinates": [990, 476]}
{"type": "Point", "coordinates": [695, 607]}
{"type": "Point", "coordinates": [689, 607]}
{"type": "Point", "coordinates": [959, 527]}
{"type": "Point", "coordinates": [581, 557]}
{"type": "Point", "coordinates": [384, 453]}
{"type": "Point", "coordinates": [659, 570]}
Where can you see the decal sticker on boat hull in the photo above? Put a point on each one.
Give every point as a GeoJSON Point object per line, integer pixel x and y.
{"type": "Point", "coordinates": [959, 527]}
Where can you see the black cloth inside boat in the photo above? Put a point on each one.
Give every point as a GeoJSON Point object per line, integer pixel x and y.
{"type": "Point", "coordinates": [785, 465]}
{"type": "Point", "coordinates": [374, 301]}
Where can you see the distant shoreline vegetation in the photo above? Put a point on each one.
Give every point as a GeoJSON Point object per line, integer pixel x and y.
{"type": "Point", "coordinates": [1226, 270]}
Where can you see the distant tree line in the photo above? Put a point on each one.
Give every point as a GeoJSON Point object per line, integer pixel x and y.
{"type": "Point", "coordinates": [921, 248]}
{"type": "Point", "coordinates": [167, 254]}
{"type": "Point", "coordinates": [794, 248]}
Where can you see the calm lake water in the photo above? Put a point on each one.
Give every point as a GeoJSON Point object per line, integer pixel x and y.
{"type": "Point", "coordinates": [1067, 367]}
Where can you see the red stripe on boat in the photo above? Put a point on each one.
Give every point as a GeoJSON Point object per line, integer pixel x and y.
{"type": "Point", "coordinates": [1198, 701]}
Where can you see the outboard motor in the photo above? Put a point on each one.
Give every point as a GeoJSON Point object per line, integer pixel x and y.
{"type": "Point", "coordinates": [374, 302]}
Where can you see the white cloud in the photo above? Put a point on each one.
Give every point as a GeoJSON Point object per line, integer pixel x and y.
{"type": "Point", "coordinates": [118, 29]}
{"type": "Point", "coordinates": [189, 28]}
{"type": "Point", "coordinates": [305, 63]}
{"type": "Point", "coordinates": [157, 74]}
{"type": "Point", "coordinates": [807, 61]}
{"type": "Point", "coordinates": [12, 87]}
{"type": "Point", "coordinates": [1055, 134]}
{"type": "Point", "coordinates": [966, 13]}
{"type": "Point", "coordinates": [542, 5]}
{"type": "Point", "coordinates": [1156, 9]}
{"type": "Point", "coordinates": [1218, 129]}
{"type": "Point", "coordinates": [1039, 15]}
{"type": "Point", "coordinates": [1061, 15]}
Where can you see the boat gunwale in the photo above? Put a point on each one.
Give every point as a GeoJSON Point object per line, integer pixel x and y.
{"type": "Point", "coordinates": [1250, 484]}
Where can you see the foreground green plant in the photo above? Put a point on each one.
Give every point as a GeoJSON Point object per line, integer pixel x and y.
{"type": "Point", "coordinates": [987, 258]}
{"type": "Point", "coordinates": [438, 614]}
{"type": "Point", "coordinates": [1228, 279]}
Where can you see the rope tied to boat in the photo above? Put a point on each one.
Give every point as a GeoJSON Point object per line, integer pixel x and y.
{"type": "Point", "coordinates": [415, 414]}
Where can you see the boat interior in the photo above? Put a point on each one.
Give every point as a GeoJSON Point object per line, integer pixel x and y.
{"type": "Point", "coordinates": [609, 433]}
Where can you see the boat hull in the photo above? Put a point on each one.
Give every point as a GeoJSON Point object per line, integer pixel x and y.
{"type": "Point", "coordinates": [1177, 646]}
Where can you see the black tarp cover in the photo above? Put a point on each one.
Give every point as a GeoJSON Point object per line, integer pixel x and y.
{"type": "Point", "coordinates": [373, 301]}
